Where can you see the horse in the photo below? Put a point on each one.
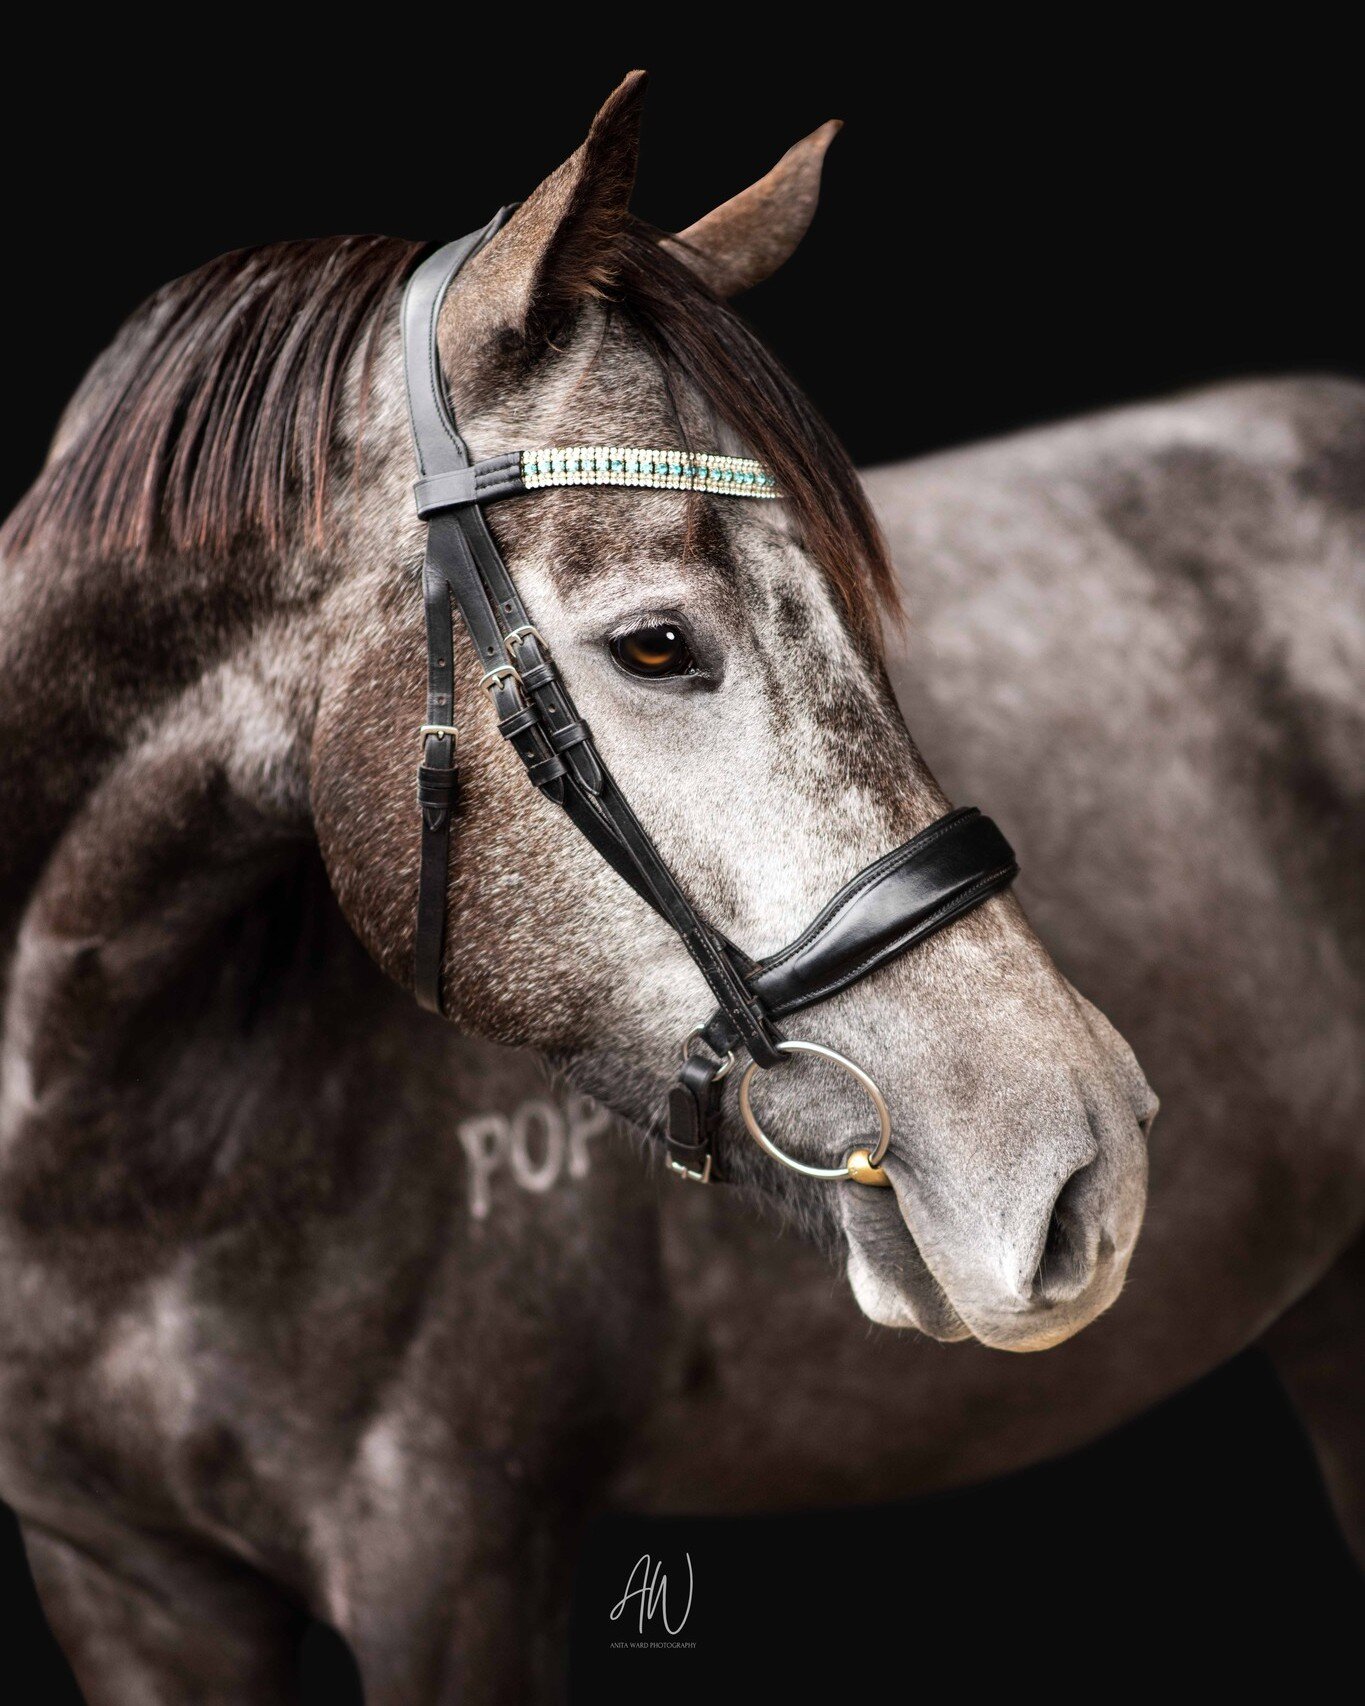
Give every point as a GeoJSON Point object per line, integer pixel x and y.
{"type": "Point", "coordinates": [310, 1305]}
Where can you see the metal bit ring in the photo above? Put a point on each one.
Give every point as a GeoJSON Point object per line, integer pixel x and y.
{"type": "Point", "coordinates": [874, 1095]}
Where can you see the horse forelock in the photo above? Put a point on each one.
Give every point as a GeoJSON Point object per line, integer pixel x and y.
{"type": "Point", "coordinates": [701, 345]}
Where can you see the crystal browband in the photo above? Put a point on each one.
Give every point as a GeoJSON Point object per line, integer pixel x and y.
{"type": "Point", "coordinates": [661, 470]}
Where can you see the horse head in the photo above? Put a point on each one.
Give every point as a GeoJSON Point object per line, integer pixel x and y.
{"type": "Point", "coordinates": [726, 655]}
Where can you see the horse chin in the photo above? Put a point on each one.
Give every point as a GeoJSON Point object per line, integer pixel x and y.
{"type": "Point", "coordinates": [890, 1279]}
{"type": "Point", "coordinates": [890, 1304]}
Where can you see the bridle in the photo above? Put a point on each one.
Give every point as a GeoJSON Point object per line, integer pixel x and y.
{"type": "Point", "coordinates": [889, 907]}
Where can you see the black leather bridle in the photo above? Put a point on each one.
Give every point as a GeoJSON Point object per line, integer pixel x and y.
{"type": "Point", "coordinates": [895, 903]}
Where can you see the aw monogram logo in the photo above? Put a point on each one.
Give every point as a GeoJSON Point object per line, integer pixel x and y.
{"type": "Point", "coordinates": [541, 1142]}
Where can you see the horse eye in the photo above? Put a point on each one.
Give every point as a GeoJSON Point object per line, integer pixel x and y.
{"type": "Point", "coordinates": [654, 652]}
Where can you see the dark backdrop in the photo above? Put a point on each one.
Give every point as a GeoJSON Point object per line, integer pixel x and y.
{"type": "Point", "coordinates": [1016, 226]}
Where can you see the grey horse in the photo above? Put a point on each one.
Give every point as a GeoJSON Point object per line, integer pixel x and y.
{"type": "Point", "coordinates": [315, 1303]}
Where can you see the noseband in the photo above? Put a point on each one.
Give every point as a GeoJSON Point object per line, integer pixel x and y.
{"type": "Point", "coordinates": [888, 908]}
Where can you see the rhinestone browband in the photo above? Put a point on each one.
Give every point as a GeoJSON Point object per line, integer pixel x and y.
{"type": "Point", "coordinates": [662, 470]}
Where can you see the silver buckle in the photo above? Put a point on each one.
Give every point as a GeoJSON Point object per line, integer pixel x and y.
{"type": "Point", "coordinates": [444, 731]}
{"type": "Point", "coordinates": [504, 672]}
{"type": "Point", "coordinates": [691, 1174]}
{"type": "Point", "coordinates": [513, 640]}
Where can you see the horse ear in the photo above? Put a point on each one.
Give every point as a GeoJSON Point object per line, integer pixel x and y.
{"type": "Point", "coordinates": [747, 238]}
{"type": "Point", "coordinates": [558, 246]}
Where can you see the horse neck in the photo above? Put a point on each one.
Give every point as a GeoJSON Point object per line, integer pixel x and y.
{"type": "Point", "coordinates": [95, 658]}
{"type": "Point", "coordinates": [158, 849]}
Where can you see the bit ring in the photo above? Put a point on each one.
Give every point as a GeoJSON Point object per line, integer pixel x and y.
{"type": "Point", "coordinates": [874, 1095]}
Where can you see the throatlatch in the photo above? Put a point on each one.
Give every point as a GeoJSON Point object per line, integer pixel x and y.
{"type": "Point", "coordinates": [888, 908]}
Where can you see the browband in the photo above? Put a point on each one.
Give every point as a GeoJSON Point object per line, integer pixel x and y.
{"type": "Point", "coordinates": [518, 471]}
{"type": "Point", "coordinates": [892, 905]}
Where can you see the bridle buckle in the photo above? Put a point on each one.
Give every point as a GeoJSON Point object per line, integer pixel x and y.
{"type": "Point", "coordinates": [493, 678]}
{"type": "Point", "coordinates": [527, 631]}
{"type": "Point", "coordinates": [693, 1175]}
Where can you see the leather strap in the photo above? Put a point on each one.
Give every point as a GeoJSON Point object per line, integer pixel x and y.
{"type": "Point", "coordinates": [440, 451]}
{"type": "Point", "coordinates": [693, 1113]}
{"type": "Point", "coordinates": [482, 482]}
{"type": "Point", "coordinates": [437, 786]}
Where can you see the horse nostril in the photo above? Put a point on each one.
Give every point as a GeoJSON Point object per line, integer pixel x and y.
{"type": "Point", "coordinates": [1063, 1270]}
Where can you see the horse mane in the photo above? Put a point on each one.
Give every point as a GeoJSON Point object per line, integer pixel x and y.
{"type": "Point", "coordinates": [215, 417]}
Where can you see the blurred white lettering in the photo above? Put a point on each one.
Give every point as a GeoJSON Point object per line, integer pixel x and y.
{"type": "Point", "coordinates": [540, 1144]}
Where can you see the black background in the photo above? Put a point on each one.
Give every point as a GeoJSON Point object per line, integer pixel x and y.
{"type": "Point", "coordinates": [1017, 224]}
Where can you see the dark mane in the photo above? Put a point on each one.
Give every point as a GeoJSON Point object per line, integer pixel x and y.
{"type": "Point", "coordinates": [218, 419]}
